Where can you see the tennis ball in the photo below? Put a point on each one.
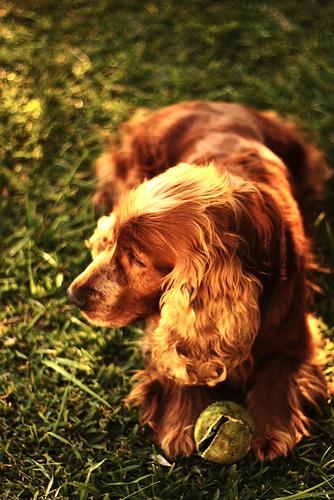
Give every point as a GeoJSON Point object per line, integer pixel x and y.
{"type": "Point", "coordinates": [223, 432]}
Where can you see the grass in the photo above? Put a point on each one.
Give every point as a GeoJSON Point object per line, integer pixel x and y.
{"type": "Point", "coordinates": [69, 71]}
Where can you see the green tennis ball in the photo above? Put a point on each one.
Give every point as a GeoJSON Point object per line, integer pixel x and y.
{"type": "Point", "coordinates": [223, 432]}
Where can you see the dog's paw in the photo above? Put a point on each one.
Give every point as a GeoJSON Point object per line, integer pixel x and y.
{"type": "Point", "coordinates": [178, 443]}
{"type": "Point", "coordinates": [274, 444]}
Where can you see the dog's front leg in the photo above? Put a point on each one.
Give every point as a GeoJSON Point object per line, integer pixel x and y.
{"type": "Point", "coordinates": [283, 391]}
{"type": "Point", "coordinates": [170, 409]}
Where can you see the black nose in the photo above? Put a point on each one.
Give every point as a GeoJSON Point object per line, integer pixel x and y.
{"type": "Point", "coordinates": [79, 296]}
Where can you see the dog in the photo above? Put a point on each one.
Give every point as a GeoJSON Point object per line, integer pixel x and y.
{"type": "Point", "coordinates": [205, 241]}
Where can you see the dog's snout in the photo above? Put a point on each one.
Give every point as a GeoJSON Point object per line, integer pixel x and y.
{"type": "Point", "coordinates": [79, 296]}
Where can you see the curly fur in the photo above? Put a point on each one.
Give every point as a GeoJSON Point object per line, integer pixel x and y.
{"type": "Point", "coordinates": [206, 242]}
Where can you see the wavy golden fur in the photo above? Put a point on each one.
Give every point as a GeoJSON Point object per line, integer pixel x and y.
{"type": "Point", "coordinates": [206, 243]}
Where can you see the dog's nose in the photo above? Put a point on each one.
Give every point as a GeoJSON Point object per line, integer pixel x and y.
{"type": "Point", "coordinates": [79, 296]}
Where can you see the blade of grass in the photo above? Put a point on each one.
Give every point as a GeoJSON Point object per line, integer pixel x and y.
{"type": "Point", "coordinates": [66, 441]}
{"type": "Point", "coordinates": [305, 493]}
{"type": "Point", "coordinates": [75, 381]}
{"type": "Point", "coordinates": [62, 408]}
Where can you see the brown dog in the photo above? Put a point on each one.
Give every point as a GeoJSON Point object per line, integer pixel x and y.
{"type": "Point", "coordinates": [213, 254]}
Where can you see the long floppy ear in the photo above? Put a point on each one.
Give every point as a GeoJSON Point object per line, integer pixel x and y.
{"type": "Point", "coordinates": [210, 308]}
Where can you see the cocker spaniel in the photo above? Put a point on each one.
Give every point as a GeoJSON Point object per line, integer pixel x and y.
{"type": "Point", "coordinates": [205, 241]}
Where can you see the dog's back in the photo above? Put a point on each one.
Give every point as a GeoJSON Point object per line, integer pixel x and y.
{"type": "Point", "coordinates": [202, 132]}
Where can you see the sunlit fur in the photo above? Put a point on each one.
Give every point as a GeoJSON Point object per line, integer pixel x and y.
{"type": "Point", "coordinates": [209, 308]}
{"type": "Point", "coordinates": [206, 243]}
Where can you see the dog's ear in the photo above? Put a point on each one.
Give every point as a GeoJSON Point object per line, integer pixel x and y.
{"type": "Point", "coordinates": [207, 328]}
{"type": "Point", "coordinates": [210, 308]}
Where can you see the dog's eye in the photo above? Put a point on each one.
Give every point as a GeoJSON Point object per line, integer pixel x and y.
{"type": "Point", "coordinates": [134, 259]}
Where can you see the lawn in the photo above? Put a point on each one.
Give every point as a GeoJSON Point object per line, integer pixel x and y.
{"type": "Point", "coordinates": [71, 70]}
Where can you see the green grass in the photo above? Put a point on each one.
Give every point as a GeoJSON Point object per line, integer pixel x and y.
{"type": "Point", "coordinates": [69, 71]}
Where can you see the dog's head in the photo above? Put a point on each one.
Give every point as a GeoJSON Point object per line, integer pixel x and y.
{"type": "Point", "coordinates": [183, 244]}
{"type": "Point", "coordinates": [123, 282]}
